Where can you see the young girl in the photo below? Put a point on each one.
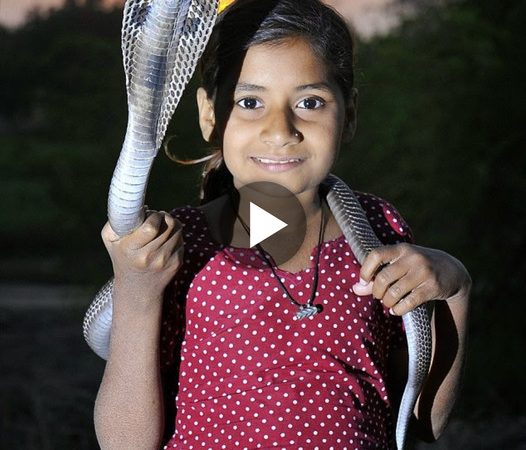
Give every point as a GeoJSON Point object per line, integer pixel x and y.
{"type": "Point", "coordinates": [205, 350]}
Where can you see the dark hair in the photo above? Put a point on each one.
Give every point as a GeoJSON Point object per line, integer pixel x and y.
{"type": "Point", "coordinates": [252, 22]}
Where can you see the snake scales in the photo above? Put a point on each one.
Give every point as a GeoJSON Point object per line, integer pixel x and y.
{"type": "Point", "coordinates": [162, 41]}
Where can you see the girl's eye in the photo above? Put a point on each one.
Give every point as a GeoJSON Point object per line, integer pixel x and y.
{"type": "Point", "coordinates": [311, 103]}
{"type": "Point", "coordinates": [249, 103]}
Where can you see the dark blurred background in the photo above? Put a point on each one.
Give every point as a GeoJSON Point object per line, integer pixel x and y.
{"type": "Point", "coordinates": [441, 135]}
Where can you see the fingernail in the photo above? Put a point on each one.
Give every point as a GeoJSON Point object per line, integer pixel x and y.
{"type": "Point", "coordinates": [363, 282]}
{"type": "Point", "coordinates": [391, 312]}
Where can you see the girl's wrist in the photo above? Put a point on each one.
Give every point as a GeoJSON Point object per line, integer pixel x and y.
{"type": "Point", "coordinates": [464, 290]}
{"type": "Point", "coordinates": [131, 297]}
{"type": "Point", "coordinates": [459, 279]}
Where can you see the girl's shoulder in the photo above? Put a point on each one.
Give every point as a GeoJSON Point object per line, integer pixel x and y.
{"type": "Point", "coordinates": [194, 225]}
{"type": "Point", "coordinates": [204, 220]}
{"type": "Point", "coordinates": [205, 223]}
{"type": "Point", "coordinates": [389, 225]}
{"type": "Point", "coordinates": [189, 216]}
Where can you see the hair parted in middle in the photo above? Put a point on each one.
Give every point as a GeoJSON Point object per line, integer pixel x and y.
{"type": "Point", "coordinates": [246, 23]}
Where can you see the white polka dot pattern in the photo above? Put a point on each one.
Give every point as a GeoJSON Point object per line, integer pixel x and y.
{"type": "Point", "coordinates": [250, 375]}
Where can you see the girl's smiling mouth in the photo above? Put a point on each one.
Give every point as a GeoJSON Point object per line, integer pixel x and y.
{"type": "Point", "coordinates": [276, 164]}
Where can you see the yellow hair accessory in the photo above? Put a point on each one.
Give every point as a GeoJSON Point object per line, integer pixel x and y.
{"type": "Point", "coordinates": [224, 3]}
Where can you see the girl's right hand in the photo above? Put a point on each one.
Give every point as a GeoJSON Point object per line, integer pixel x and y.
{"type": "Point", "coordinates": [147, 259]}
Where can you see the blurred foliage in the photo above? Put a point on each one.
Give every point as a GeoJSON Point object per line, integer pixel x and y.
{"type": "Point", "coordinates": [62, 123]}
{"type": "Point", "coordinates": [440, 134]}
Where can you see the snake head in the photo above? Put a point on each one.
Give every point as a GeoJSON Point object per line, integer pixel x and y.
{"type": "Point", "coordinates": [162, 41]}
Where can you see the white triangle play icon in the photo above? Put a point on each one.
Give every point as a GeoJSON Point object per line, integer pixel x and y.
{"type": "Point", "coordinates": [262, 224]}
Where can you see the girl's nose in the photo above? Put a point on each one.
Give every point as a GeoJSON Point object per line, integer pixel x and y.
{"type": "Point", "coordinates": [279, 131]}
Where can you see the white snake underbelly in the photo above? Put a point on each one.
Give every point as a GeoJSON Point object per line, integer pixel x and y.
{"type": "Point", "coordinates": [162, 41]}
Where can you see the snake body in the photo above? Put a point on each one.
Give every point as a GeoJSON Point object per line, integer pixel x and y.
{"type": "Point", "coordinates": [161, 43]}
{"type": "Point", "coordinates": [361, 238]}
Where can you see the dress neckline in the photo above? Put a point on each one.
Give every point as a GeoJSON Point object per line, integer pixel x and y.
{"type": "Point", "coordinates": [245, 250]}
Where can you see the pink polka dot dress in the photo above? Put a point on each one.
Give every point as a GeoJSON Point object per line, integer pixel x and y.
{"type": "Point", "coordinates": [250, 376]}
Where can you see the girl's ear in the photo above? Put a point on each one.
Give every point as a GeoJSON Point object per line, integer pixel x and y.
{"type": "Point", "coordinates": [350, 116]}
{"type": "Point", "coordinates": [207, 118]}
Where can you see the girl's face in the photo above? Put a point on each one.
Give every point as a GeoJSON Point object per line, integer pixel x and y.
{"type": "Point", "coordinates": [287, 120]}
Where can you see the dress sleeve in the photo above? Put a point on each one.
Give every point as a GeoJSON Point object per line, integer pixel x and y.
{"type": "Point", "coordinates": [196, 254]}
{"type": "Point", "coordinates": [172, 326]}
{"type": "Point", "coordinates": [172, 335]}
{"type": "Point", "coordinates": [389, 225]}
{"type": "Point", "coordinates": [173, 317]}
{"type": "Point", "coordinates": [391, 228]}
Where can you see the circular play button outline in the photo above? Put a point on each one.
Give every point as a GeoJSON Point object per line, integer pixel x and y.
{"type": "Point", "coordinates": [277, 220]}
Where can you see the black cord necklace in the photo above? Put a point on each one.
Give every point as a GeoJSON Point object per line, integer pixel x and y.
{"type": "Point", "coordinates": [308, 309]}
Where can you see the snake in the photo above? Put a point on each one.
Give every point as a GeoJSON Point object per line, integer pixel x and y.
{"type": "Point", "coordinates": [162, 41]}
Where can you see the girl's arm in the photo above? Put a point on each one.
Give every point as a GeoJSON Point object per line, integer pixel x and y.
{"type": "Point", "coordinates": [129, 407]}
{"type": "Point", "coordinates": [449, 328]}
{"type": "Point", "coordinates": [406, 276]}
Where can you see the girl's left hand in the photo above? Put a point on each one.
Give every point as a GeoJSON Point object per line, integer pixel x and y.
{"type": "Point", "coordinates": [403, 276]}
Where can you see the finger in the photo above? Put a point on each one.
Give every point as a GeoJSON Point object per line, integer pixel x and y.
{"type": "Point", "coordinates": [108, 235]}
{"type": "Point", "coordinates": [387, 276]}
{"type": "Point", "coordinates": [411, 301]}
{"type": "Point", "coordinates": [163, 258]}
{"type": "Point", "coordinates": [401, 288]}
{"type": "Point", "coordinates": [363, 288]}
{"type": "Point", "coordinates": [152, 227]}
{"type": "Point", "coordinates": [379, 257]}
{"type": "Point", "coordinates": [169, 228]}
{"type": "Point", "coordinates": [174, 240]}
{"type": "Point", "coordinates": [176, 258]}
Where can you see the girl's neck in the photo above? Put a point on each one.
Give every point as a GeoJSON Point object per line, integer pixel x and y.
{"type": "Point", "coordinates": [225, 228]}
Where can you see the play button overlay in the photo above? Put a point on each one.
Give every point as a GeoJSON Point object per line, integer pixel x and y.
{"type": "Point", "coordinates": [262, 224]}
{"type": "Point", "coordinates": [277, 220]}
